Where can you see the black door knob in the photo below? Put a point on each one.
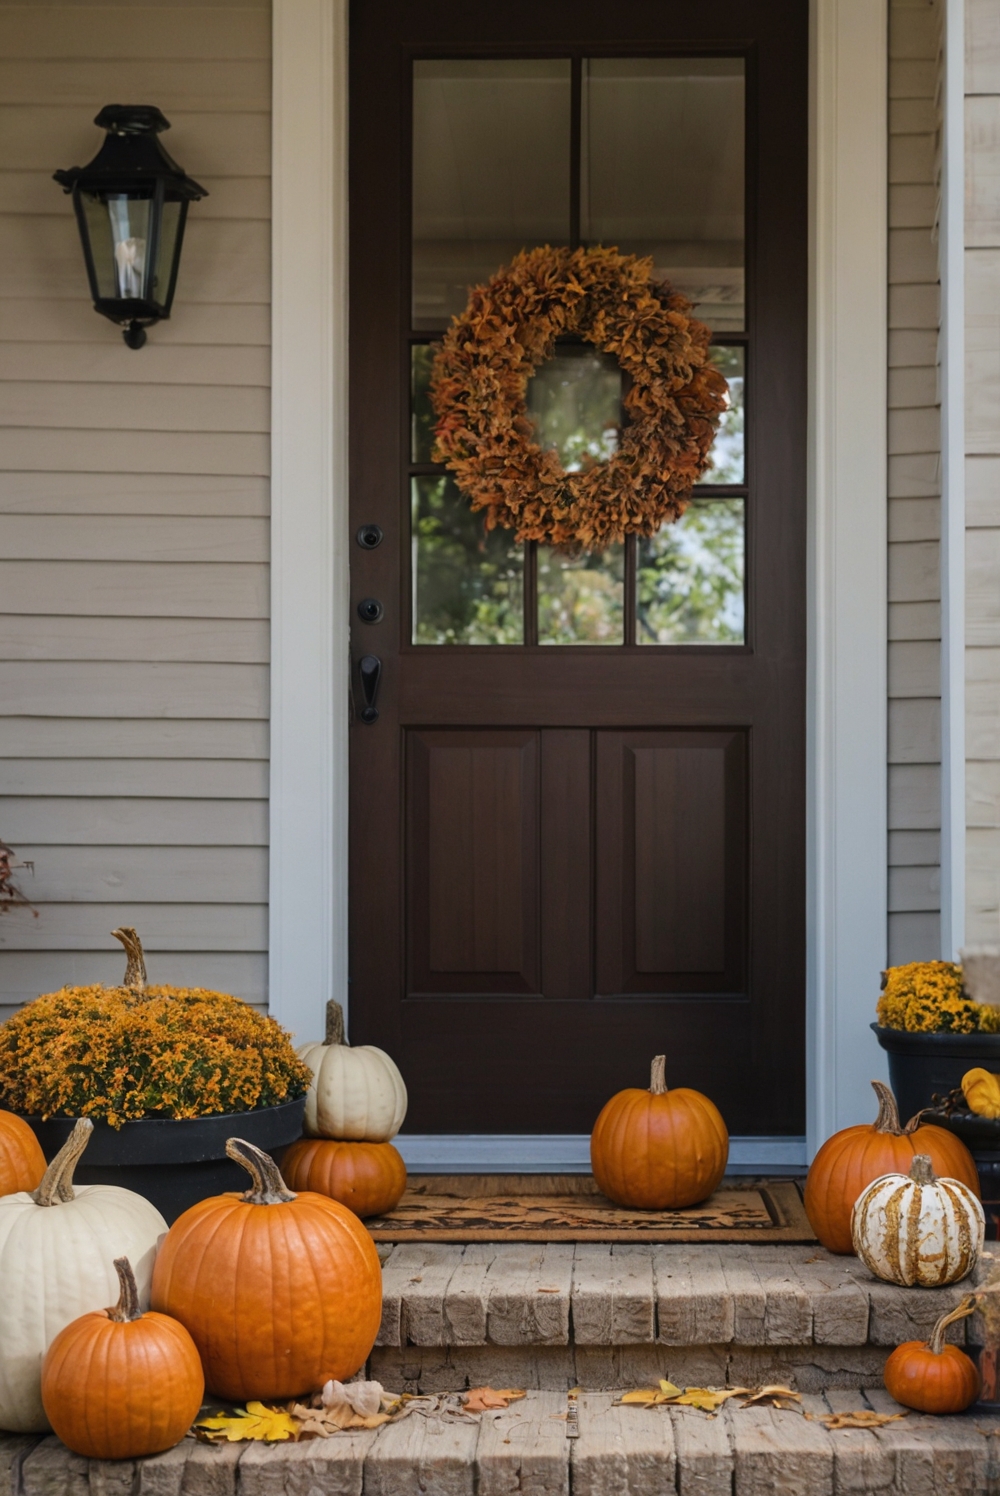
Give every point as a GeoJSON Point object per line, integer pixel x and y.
{"type": "Point", "coordinates": [370, 610]}
{"type": "Point", "coordinates": [369, 536]}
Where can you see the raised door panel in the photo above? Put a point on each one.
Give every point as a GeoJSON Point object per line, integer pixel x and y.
{"type": "Point", "coordinates": [671, 862]}
{"type": "Point", "coordinates": [472, 884]}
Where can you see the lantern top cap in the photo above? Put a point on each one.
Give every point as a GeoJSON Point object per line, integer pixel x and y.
{"type": "Point", "coordinates": [132, 119]}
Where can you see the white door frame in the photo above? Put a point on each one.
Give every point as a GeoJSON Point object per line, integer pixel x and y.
{"type": "Point", "coordinates": [847, 566]}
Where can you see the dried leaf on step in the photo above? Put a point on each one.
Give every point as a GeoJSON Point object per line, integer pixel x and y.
{"type": "Point", "coordinates": [254, 1422]}
{"type": "Point", "coordinates": [483, 1399]}
{"type": "Point", "coordinates": [863, 1418]}
{"type": "Point", "coordinates": [709, 1398]}
{"type": "Point", "coordinates": [777, 1395]}
{"type": "Point", "coordinates": [650, 1397]}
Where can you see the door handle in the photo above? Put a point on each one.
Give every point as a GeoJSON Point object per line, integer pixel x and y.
{"type": "Point", "coordinates": [369, 675]}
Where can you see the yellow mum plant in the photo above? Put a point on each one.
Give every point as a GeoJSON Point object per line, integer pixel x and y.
{"type": "Point", "coordinates": [120, 1053]}
{"type": "Point", "coordinates": [927, 997]}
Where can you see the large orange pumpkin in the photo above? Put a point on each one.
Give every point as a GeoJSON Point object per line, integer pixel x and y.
{"type": "Point", "coordinates": [659, 1149]}
{"type": "Point", "coordinates": [280, 1291]}
{"type": "Point", "coordinates": [22, 1162]}
{"type": "Point", "coordinates": [933, 1377]}
{"type": "Point", "coordinates": [848, 1162]}
{"type": "Point", "coordinates": [369, 1178]}
{"type": "Point", "coordinates": [118, 1384]}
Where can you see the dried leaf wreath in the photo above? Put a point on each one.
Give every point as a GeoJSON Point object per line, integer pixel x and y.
{"type": "Point", "coordinates": [673, 400]}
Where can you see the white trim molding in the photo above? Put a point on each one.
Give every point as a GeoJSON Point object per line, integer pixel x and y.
{"type": "Point", "coordinates": [952, 355]}
{"type": "Point", "coordinates": [847, 797]}
{"type": "Point", "coordinates": [567, 1153]}
{"type": "Point", "coordinates": [309, 567]}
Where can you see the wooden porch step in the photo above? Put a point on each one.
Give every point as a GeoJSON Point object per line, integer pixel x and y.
{"type": "Point", "coordinates": [620, 1451]}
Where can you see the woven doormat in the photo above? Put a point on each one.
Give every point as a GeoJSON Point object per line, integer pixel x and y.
{"type": "Point", "coordinates": [569, 1207]}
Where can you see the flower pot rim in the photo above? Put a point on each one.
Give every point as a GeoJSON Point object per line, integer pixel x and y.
{"type": "Point", "coordinates": [903, 1040]}
{"type": "Point", "coordinates": [175, 1140]}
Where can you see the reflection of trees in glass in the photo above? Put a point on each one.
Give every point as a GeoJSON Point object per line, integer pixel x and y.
{"type": "Point", "coordinates": [421, 412]}
{"type": "Point", "coordinates": [581, 598]}
{"type": "Point", "coordinates": [689, 582]}
{"type": "Point", "coordinates": [467, 584]}
{"type": "Point", "coordinates": [727, 449]}
{"type": "Point", "coordinates": [574, 401]}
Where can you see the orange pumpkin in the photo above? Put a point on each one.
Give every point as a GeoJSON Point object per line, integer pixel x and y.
{"type": "Point", "coordinates": [369, 1178]}
{"type": "Point", "coordinates": [280, 1291]}
{"type": "Point", "coordinates": [848, 1162]}
{"type": "Point", "coordinates": [22, 1162]}
{"type": "Point", "coordinates": [118, 1384]}
{"type": "Point", "coordinates": [933, 1377]}
{"type": "Point", "coordinates": [659, 1149]}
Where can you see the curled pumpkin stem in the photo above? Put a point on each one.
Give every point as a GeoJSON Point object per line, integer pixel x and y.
{"type": "Point", "coordinates": [268, 1187]}
{"type": "Point", "coordinates": [888, 1113]}
{"type": "Point", "coordinates": [127, 1307]}
{"type": "Point", "coordinates": [961, 1311]}
{"type": "Point", "coordinates": [334, 1023]}
{"type": "Point", "coordinates": [135, 966]}
{"type": "Point", "coordinates": [658, 1075]}
{"type": "Point", "coordinates": [56, 1187]}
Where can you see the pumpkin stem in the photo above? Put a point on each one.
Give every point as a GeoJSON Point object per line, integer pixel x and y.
{"type": "Point", "coordinates": [56, 1187]}
{"type": "Point", "coordinates": [127, 1307]}
{"type": "Point", "coordinates": [888, 1112]}
{"type": "Point", "coordinates": [334, 1023]}
{"type": "Point", "coordinates": [135, 967]}
{"type": "Point", "coordinates": [658, 1075]}
{"type": "Point", "coordinates": [961, 1311]}
{"type": "Point", "coordinates": [922, 1169]}
{"type": "Point", "coordinates": [268, 1187]}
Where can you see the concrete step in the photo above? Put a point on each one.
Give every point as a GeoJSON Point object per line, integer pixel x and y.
{"type": "Point", "coordinates": [619, 1451]}
{"type": "Point", "coordinates": [550, 1316]}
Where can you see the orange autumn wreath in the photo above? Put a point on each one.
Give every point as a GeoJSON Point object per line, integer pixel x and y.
{"type": "Point", "coordinates": [479, 383]}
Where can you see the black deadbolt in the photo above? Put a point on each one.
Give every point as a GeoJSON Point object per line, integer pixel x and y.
{"type": "Point", "coordinates": [370, 610]}
{"type": "Point", "coordinates": [369, 536]}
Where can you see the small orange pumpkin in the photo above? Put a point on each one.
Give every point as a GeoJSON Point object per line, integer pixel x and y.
{"type": "Point", "coordinates": [22, 1162]}
{"type": "Point", "coordinates": [931, 1376]}
{"type": "Point", "coordinates": [369, 1178]}
{"type": "Point", "coordinates": [280, 1291]}
{"type": "Point", "coordinates": [852, 1159]}
{"type": "Point", "coordinates": [118, 1384]}
{"type": "Point", "coordinates": [659, 1149]}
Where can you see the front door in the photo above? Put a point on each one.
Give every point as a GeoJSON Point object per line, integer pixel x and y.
{"type": "Point", "coordinates": [578, 817]}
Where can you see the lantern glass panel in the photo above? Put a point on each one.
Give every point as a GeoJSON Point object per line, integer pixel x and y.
{"type": "Point", "coordinates": [170, 222]}
{"type": "Point", "coordinates": [119, 234]}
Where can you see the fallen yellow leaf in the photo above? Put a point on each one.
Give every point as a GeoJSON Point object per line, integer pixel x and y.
{"type": "Point", "coordinates": [484, 1399]}
{"type": "Point", "coordinates": [254, 1422]}
{"type": "Point", "coordinates": [863, 1418]}
{"type": "Point", "coordinates": [773, 1394]}
{"type": "Point", "coordinates": [708, 1398]}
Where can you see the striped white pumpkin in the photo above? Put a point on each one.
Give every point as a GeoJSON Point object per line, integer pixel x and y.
{"type": "Point", "coordinates": [356, 1095]}
{"type": "Point", "coordinates": [917, 1229]}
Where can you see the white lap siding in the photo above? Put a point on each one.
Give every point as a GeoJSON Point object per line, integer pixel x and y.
{"type": "Point", "coordinates": [914, 486]}
{"type": "Point", "coordinates": [134, 514]}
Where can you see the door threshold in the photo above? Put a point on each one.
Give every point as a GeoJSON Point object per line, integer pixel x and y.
{"type": "Point", "coordinates": [568, 1153]}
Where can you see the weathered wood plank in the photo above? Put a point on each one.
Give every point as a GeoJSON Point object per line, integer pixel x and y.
{"type": "Point", "coordinates": [860, 1462]}
{"type": "Point", "coordinates": [839, 1306]}
{"type": "Point", "coordinates": [525, 1449]}
{"type": "Point", "coordinates": [693, 1302]}
{"type": "Point", "coordinates": [211, 1470]}
{"type": "Point", "coordinates": [140, 537]}
{"type": "Point", "coordinates": [422, 1294]}
{"type": "Point", "coordinates": [705, 1462]}
{"type": "Point", "coordinates": [422, 1455]}
{"type": "Point", "coordinates": [933, 1454]}
{"type": "Point", "coordinates": [623, 1450]}
{"type": "Point", "coordinates": [334, 1467]}
{"type": "Point", "coordinates": [50, 1469]}
{"type": "Point", "coordinates": [613, 1295]}
{"type": "Point", "coordinates": [14, 1449]}
{"type": "Point", "coordinates": [162, 1474]}
{"type": "Point", "coordinates": [529, 1294]}
{"type": "Point", "coordinates": [776, 1450]}
{"type": "Point", "coordinates": [465, 1299]}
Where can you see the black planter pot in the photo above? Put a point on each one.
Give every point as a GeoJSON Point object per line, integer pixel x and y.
{"type": "Point", "coordinates": [922, 1066]}
{"type": "Point", "coordinates": [174, 1164]}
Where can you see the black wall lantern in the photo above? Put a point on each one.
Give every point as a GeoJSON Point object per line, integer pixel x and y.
{"type": "Point", "coordinates": [131, 205]}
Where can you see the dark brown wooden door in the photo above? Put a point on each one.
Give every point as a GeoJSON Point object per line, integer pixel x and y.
{"type": "Point", "coordinates": [578, 822]}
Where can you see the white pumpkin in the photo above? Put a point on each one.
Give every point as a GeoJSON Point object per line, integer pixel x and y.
{"type": "Point", "coordinates": [356, 1095]}
{"type": "Point", "coordinates": [57, 1251]}
{"type": "Point", "coordinates": [917, 1229]}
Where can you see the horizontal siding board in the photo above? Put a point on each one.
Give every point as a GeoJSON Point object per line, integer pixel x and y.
{"type": "Point", "coordinates": [914, 621]}
{"type": "Point", "coordinates": [914, 519]}
{"type": "Point", "coordinates": [199, 494]}
{"type": "Point", "coordinates": [914, 848]}
{"type": "Point", "coordinates": [162, 927]}
{"type": "Point", "coordinates": [122, 590]}
{"type": "Point", "coordinates": [913, 431]}
{"type": "Point", "coordinates": [982, 883]}
{"type": "Point", "coordinates": [139, 537]}
{"type": "Point", "coordinates": [915, 731]}
{"type": "Point", "coordinates": [914, 306]}
{"type": "Point", "coordinates": [157, 689]}
{"type": "Point", "coordinates": [125, 822]}
{"type": "Point", "coordinates": [982, 47]}
{"type": "Point", "coordinates": [982, 789]}
{"type": "Point", "coordinates": [982, 591]}
{"type": "Point", "coordinates": [28, 973]}
{"type": "Point", "coordinates": [912, 116]}
{"type": "Point", "coordinates": [912, 205]}
{"type": "Point", "coordinates": [914, 797]}
{"type": "Point", "coordinates": [124, 406]}
{"type": "Point", "coordinates": [914, 573]}
{"type": "Point", "coordinates": [982, 717]}
{"type": "Point", "coordinates": [110, 33]}
{"type": "Point", "coordinates": [982, 400]}
{"type": "Point", "coordinates": [914, 888]}
{"type": "Point", "coordinates": [84, 363]}
{"type": "Point", "coordinates": [914, 386]}
{"type": "Point", "coordinates": [911, 159]}
{"type": "Point", "coordinates": [70, 318]}
{"type": "Point", "coordinates": [915, 475]}
{"type": "Point", "coordinates": [914, 668]}
{"type": "Point", "coordinates": [914, 937]}
{"type": "Point", "coordinates": [909, 347]}
{"type": "Point", "coordinates": [982, 171]}
{"type": "Point", "coordinates": [137, 451]}
{"type": "Point", "coordinates": [144, 875]}
{"type": "Point", "coordinates": [912, 256]}
{"type": "Point", "coordinates": [156, 737]}
{"type": "Point", "coordinates": [191, 84]}
{"type": "Point", "coordinates": [212, 779]}
{"type": "Point", "coordinates": [33, 193]}
{"type": "Point", "coordinates": [210, 144]}
{"type": "Point", "coordinates": [215, 640]}
{"type": "Point", "coordinates": [982, 491]}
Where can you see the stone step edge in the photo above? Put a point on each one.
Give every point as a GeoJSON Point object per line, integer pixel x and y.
{"type": "Point", "coordinates": [642, 1452]}
{"type": "Point", "coordinates": [587, 1294]}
